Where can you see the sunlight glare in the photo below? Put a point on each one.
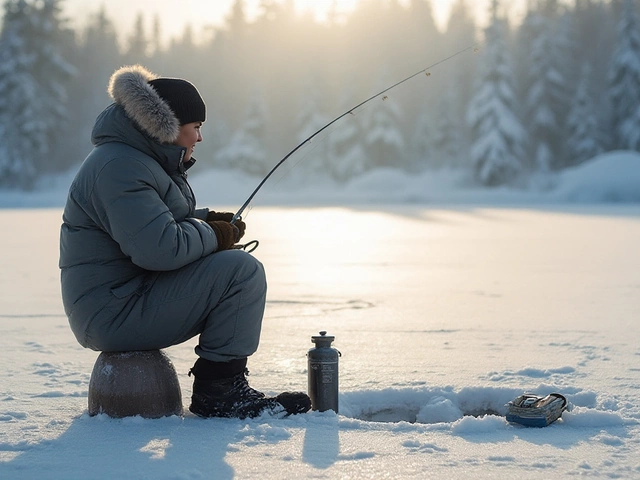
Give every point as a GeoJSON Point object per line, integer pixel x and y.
{"type": "Point", "coordinates": [333, 250]}
{"type": "Point", "coordinates": [320, 9]}
{"type": "Point", "coordinates": [204, 15]}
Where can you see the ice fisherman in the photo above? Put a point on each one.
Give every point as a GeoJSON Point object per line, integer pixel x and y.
{"type": "Point", "coordinates": [142, 268]}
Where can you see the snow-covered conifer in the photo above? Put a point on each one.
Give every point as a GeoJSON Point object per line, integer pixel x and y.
{"type": "Point", "coordinates": [497, 135]}
{"type": "Point", "coordinates": [630, 131]}
{"type": "Point", "coordinates": [97, 58]}
{"type": "Point", "coordinates": [447, 138]}
{"type": "Point", "coordinates": [422, 142]}
{"type": "Point", "coordinates": [624, 79]}
{"type": "Point", "coordinates": [459, 74]}
{"type": "Point", "coordinates": [17, 85]}
{"type": "Point", "coordinates": [347, 158]}
{"type": "Point", "coordinates": [585, 137]}
{"type": "Point", "coordinates": [545, 87]}
{"type": "Point", "coordinates": [138, 43]}
{"type": "Point", "coordinates": [310, 119]}
{"type": "Point", "coordinates": [34, 76]}
{"type": "Point", "coordinates": [236, 21]}
{"type": "Point", "coordinates": [346, 152]}
{"type": "Point", "coordinates": [99, 55]}
{"type": "Point", "coordinates": [246, 149]}
{"type": "Point", "coordinates": [384, 141]}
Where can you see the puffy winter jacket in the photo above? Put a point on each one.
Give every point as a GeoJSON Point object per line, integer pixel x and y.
{"type": "Point", "coordinates": [130, 212]}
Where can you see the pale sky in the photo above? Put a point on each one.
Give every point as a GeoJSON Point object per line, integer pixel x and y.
{"type": "Point", "coordinates": [175, 14]}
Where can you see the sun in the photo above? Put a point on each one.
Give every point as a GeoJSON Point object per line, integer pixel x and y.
{"type": "Point", "coordinates": [320, 9]}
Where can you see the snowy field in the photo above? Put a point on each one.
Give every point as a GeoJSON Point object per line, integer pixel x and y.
{"type": "Point", "coordinates": [443, 312]}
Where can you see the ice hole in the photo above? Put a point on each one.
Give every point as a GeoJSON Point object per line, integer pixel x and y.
{"type": "Point", "coordinates": [424, 406]}
{"type": "Point", "coordinates": [391, 415]}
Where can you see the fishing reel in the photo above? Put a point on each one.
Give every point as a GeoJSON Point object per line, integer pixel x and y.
{"type": "Point", "coordinates": [249, 246]}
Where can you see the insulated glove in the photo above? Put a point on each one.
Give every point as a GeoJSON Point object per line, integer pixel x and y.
{"type": "Point", "coordinates": [226, 234]}
{"type": "Point", "coordinates": [219, 216]}
{"type": "Point", "coordinates": [227, 217]}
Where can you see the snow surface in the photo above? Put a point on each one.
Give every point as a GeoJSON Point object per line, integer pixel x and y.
{"type": "Point", "coordinates": [446, 302]}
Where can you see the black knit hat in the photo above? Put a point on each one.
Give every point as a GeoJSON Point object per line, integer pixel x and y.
{"type": "Point", "coordinates": [182, 97]}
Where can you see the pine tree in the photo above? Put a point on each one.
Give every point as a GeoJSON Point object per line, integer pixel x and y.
{"type": "Point", "coordinates": [447, 138]}
{"type": "Point", "coordinates": [99, 54]}
{"type": "Point", "coordinates": [34, 77]}
{"type": "Point", "coordinates": [585, 136]}
{"type": "Point", "coordinates": [497, 134]}
{"type": "Point", "coordinates": [384, 140]}
{"type": "Point", "coordinates": [347, 157]}
{"type": "Point", "coordinates": [423, 144]}
{"type": "Point", "coordinates": [138, 43]}
{"type": "Point", "coordinates": [460, 33]}
{"type": "Point", "coordinates": [545, 85]}
{"type": "Point", "coordinates": [624, 79]}
{"type": "Point", "coordinates": [237, 22]}
{"type": "Point", "coordinates": [54, 44]}
{"type": "Point", "coordinates": [309, 120]}
{"type": "Point", "coordinates": [630, 131]}
{"type": "Point", "coordinates": [97, 57]}
{"type": "Point", "coordinates": [156, 36]}
{"type": "Point", "coordinates": [246, 149]}
{"type": "Point", "coordinates": [180, 53]}
{"type": "Point", "coordinates": [17, 86]}
{"type": "Point", "coordinates": [594, 31]}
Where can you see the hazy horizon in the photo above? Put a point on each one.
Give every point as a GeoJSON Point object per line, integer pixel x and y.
{"type": "Point", "coordinates": [175, 15]}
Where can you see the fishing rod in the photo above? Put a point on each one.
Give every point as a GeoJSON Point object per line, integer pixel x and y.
{"type": "Point", "coordinates": [254, 243]}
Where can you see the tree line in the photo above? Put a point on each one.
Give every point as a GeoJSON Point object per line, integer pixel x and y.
{"type": "Point", "coordinates": [505, 102]}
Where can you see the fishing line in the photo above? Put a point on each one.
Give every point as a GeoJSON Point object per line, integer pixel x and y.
{"type": "Point", "coordinates": [348, 112]}
{"type": "Point", "coordinates": [315, 144]}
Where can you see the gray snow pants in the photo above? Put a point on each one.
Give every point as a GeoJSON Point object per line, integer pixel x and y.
{"type": "Point", "coordinates": [221, 297]}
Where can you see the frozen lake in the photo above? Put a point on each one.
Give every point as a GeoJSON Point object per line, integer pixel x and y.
{"type": "Point", "coordinates": [440, 313]}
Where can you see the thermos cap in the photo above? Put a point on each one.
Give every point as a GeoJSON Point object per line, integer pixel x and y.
{"type": "Point", "coordinates": [323, 340]}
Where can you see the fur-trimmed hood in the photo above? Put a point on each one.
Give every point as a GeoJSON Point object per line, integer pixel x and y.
{"type": "Point", "coordinates": [129, 88]}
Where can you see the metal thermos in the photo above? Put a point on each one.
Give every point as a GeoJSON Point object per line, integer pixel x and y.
{"type": "Point", "coordinates": [323, 373]}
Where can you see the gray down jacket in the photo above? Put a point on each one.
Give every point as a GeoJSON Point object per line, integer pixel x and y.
{"type": "Point", "coordinates": [130, 212]}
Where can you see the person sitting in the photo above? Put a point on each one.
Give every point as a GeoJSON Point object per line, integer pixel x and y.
{"type": "Point", "coordinates": [142, 268]}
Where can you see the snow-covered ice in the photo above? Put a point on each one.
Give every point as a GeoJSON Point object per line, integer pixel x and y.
{"type": "Point", "coordinates": [445, 304]}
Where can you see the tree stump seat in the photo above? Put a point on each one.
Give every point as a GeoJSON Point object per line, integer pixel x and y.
{"type": "Point", "coordinates": [125, 384]}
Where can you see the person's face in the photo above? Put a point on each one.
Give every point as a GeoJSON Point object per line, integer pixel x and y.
{"type": "Point", "coordinates": [189, 135]}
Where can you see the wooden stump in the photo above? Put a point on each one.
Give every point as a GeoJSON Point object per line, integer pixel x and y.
{"type": "Point", "coordinates": [124, 384]}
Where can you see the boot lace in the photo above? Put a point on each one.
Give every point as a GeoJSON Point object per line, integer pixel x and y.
{"type": "Point", "coordinates": [241, 386]}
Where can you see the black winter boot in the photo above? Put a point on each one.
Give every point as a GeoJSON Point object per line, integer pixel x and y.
{"type": "Point", "coordinates": [232, 397]}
